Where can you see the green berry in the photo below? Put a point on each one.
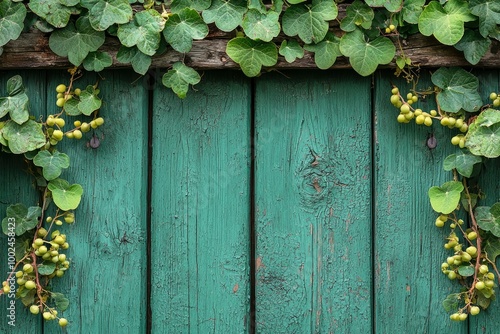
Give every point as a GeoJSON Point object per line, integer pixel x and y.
{"type": "Point", "coordinates": [480, 285]}
{"type": "Point", "coordinates": [483, 269]}
{"type": "Point", "coordinates": [428, 121]}
{"type": "Point", "coordinates": [394, 99]}
{"type": "Point", "coordinates": [60, 122]}
{"type": "Point", "coordinates": [493, 96]}
{"type": "Point", "coordinates": [34, 309]}
{"type": "Point", "coordinates": [60, 102]}
{"type": "Point", "coordinates": [28, 268]}
{"type": "Point", "coordinates": [405, 108]}
{"type": "Point", "coordinates": [472, 236]}
{"type": "Point", "coordinates": [433, 112]}
{"type": "Point", "coordinates": [474, 310]}
{"type": "Point", "coordinates": [77, 134]}
{"type": "Point", "coordinates": [58, 135]}
{"type": "Point", "coordinates": [78, 91]}
{"type": "Point", "coordinates": [439, 223]}
{"type": "Point", "coordinates": [63, 322]}
{"type": "Point", "coordinates": [401, 118]}
{"type": "Point", "coordinates": [395, 90]}
{"type": "Point", "coordinates": [61, 88]}
{"type": "Point", "coordinates": [30, 285]}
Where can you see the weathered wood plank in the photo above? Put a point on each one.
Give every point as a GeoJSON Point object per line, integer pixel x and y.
{"type": "Point", "coordinates": [17, 187]}
{"type": "Point", "coordinates": [409, 285]}
{"type": "Point", "coordinates": [107, 281]}
{"type": "Point", "coordinates": [487, 321]}
{"type": "Point", "coordinates": [313, 203]}
{"type": "Point", "coordinates": [201, 208]}
{"type": "Point", "coordinates": [32, 50]}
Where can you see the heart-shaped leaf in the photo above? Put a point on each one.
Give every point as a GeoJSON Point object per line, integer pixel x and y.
{"type": "Point", "coordinates": [179, 78]}
{"type": "Point", "coordinates": [97, 61]}
{"type": "Point", "coordinates": [463, 162]}
{"type": "Point", "coordinates": [488, 218]}
{"type": "Point", "coordinates": [445, 199]}
{"type": "Point", "coordinates": [140, 61]}
{"type": "Point", "coordinates": [75, 42]}
{"type": "Point", "coordinates": [473, 45]}
{"type": "Point", "coordinates": [411, 10]}
{"type": "Point", "coordinates": [51, 11]}
{"type": "Point", "coordinates": [89, 101]}
{"type": "Point", "coordinates": [252, 55]}
{"type": "Point", "coordinates": [309, 21]}
{"type": "Point", "coordinates": [291, 50]}
{"type": "Point", "coordinates": [365, 56]}
{"type": "Point", "coordinates": [52, 163]}
{"type": "Point", "coordinates": [184, 26]}
{"type": "Point", "coordinates": [25, 137]}
{"type": "Point", "coordinates": [446, 22]}
{"type": "Point", "coordinates": [488, 12]}
{"type": "Point", "coordinates": [227, 14]}
{"type": "Point", "coordinates": [66, 197]}
{"type": "Point", "coordinates": [46, 268]}
{"type": "Point", "coordinates": [262, 26]}
{"type": "Point", "coordinates": [483, 136]}
{"type": "Point", "coordinates": [357, 14]}
{"type": "Point", "coordinates": [23, 218]}
{"type": "Point", "coordinates": [143, 31]}
{"type": "Point", "coordinates": [103, 14]}
{"type": "Point", "coordinates": [459, 89]}
{"type": "Point", "coordinates": [17, 103]}
{"type": "Point", "coordinates": [12, 16]}
{"type": "Point", "coordinates": [326, 51]}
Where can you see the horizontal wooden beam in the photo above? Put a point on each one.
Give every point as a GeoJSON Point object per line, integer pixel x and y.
{"type": "Point", "coordinates": [32, 50]}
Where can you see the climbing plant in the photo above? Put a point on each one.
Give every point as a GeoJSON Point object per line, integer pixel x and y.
{"type": "Point", "coordinates": [368, 33]}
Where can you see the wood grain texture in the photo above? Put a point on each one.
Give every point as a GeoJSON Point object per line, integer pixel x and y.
{"type": "Point", "coordinates": [107, 281]}
{"type": "Point", "coordinates": [32, 50]}
{"type": "Point", "coordinates": [487, 321]}
{"type": "Point", "coordinates": [17, 187]}
{"type": "Point", "coordinates": [409, 285]}
{"type": "Point", "coordinates": [313, 204]}
{"type": "Point", "coordinates": [201, 208]}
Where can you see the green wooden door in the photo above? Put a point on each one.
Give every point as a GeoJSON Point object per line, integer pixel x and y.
{"type": "Point", "coordinates": [291, 203]}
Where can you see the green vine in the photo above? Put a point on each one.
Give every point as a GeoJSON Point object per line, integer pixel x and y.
{"type": "Point", "coordinates": [35, 244]}
{"type": "Point", "coordinates": [369, 33]}
{"type": "Point", "coordinates": [473, 241]}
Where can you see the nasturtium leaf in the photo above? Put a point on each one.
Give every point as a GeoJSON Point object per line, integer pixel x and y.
{"type": "Point", "coordinates": [105, 13]}
{"type": "Point", "coordinates": [390, 5]}
{"type": "Point", "coordinates": [17, 103]}
{"type": "Point", "coordinates": [227, 14]}
{"type": "Point", "coordinates": [89, 101]}
{"type": "Point", "coordinates": [483, 136]}
{"type": "Point", "coordinates": [65, 196]}
{"type": "Point", "coordinates": [445, 199]}
{"type": "Point", "coordinates": [23, 218]}
{"type": "Point", "coordinates": [97, 61]}
{"type": "Point", "coordinates": [357, 14]}
{"type": "Point", "coordinates": [466, 271]}
{"type": "Point", "coordinates": [451, 302]}
{"type": "Point", "coordinates": [256, 4]}
{"type": "Point", "coordinates": [143, 31]}
{"type": "Point", "coordinates": [252, 55]}
{"type": "Point", "coordinates": [365, 56]}
{"type": "Point", "coordinates": [492, 248]}
{"type": "Point", "coordinates": [12, 16]}
{"type": "Point", "coordinates": [459, 89]}
{"type": "Point", "coordinates": [182, 27]}
{"type": "Point", "coordinates": [24, 137]}
{"type": "Point", "coordinates": [309, 21]}
{"type": "Point", "coordinates": [52, 163]}
{"type": "Point", "coordinates": [140, 61]}
{"type": "Point", "coordinates": [60, 300]}
{"type": "Point", "coordinates": [473, 45]}
{"type": "Point", "coordinates": [46, 268]}
{"type": "Point", "coordinates": [446, 22]}
{"type": "Point", "coordinates": [76, 41]}
{"type": "Point", "coordinates": [51, 11]}
{"type": "Point", "coordinates": [69, 3]}
{"type": "Point", "coordinates": [411, 10]}
{"type": "Point", "coordinates": [488, 218]}
{"type": "Point", "coordinates": [291, 50]}
{"type": "Point", "coordinates": [179, 78]}
{"type": "Point", "coordinates": [463, 162]}
{"type": "Point", "coordinates": [199, 5]}
{"type": "Point", "coordinates": [488, 12]}
{"type": "Point", "coordinates": [263, 26]}
{"type": "Point", "coordinates": [326, 51]}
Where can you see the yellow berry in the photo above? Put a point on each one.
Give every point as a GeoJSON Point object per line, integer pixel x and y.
{"type": "Point", "coordinates": [405, 108]}
{"type": "Point", "coordinates": [392, 27]}
{"type": "Point", "coordinates": [60, 122]}
{"type": "Point", "coordinates": [77, 123]}
{"type": "Point", "coordinates": [395, 90]}
{"type": "Point", "coordinates": [99, 121]}
{"type": "Point", "coordinates": [420, 119]}
{"type": "Point", "coordinates": [78, 91]}
{"type": "Point", "coordinates": [60, 102]}
{"type": "Point", "coordinates": [401, 118]}
{"type": "Point", "coordinates": [85, 127]}
{"type": "Point", "coordinates": [61, 88]}
{"type": "Point", "coordinates": [63, 322]}
{"type": "Point", "coordinates": [93, 124]}
{"type": "Point", "coordinates": [77, 134]}
{"type": "Point", "coordinates": [428, 121]}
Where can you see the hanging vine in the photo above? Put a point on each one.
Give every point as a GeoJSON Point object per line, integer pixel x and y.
{"type": "Point", "coordinates": [368, 33]}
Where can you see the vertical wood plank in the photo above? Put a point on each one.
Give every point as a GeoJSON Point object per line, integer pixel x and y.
{"type": "Point", "coordinates": [487, 321]}
{"type": "Point", "coordinates": [409, 285]}
{"type": "Point", "coordinates": [200, 200]}
{"type": "Point", "coordinates": [17, 187]}
{"type": "Point", "coordinates": [107, 281]}
{"type": "Point", "coordinates": [313, 204]}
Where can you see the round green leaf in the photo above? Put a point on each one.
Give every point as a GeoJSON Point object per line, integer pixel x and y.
{"type": "Point", "coordinates": [46, 268]}
{"type": "Point", "coordinates": [252, 55]}
{"type": "Point", "coordinates": [488, 12]}
{"type": "Point", "coordinates": [143, 31]}
{"type": "Point", "coordinates": [473, 45]}
{"type": "Point", "coordinates": [179, 78]}
{"type": "Point", "coordinates": [262, 26]}
{"type": "Point", "coordinates": [23, 218]}
{"type": "Point", "coordinates": [51, 11]}
{"type": "Point", "coordinates": [227, 14]}
{"type": "Point", "coordinates": [66, 197]}
{"type": "Point", "coordinates": [183, 27]}
{"type": "Point", "coordinates": [309, 21]}
{"type": "Point", "coordinates": [104, 14]}
{"type": "Point", "coordinates": [463, 162]}
{"type": "Point", "coordinates": [365, 56]}
{"type": "Point", "coordinates": [12, 16]}
{"type": "Point", "coordinates": [140, 61]}
{"type": "Point", "coordinates": [89, 101]}
{"type": "Point", "coordinates": [488, 218]}
{"type": "Point", "coordinates": [466, 271]}
{"type": "Point", "coordinates": [291, 50]}
{"type": "Point", "coordinates": [97, 61]}
{"type": "Point", "coordinates": [52, 163]}
{"type": "Point", "coordinates": [24, 137]}
{"type": "Point", "coordinates": [483, 136]}
{"type": "Point", "coordinates": [445, 199]}
{"type": "Point", "coordinates": [459, 89]}
{"type": "Point", "coordinates": [326, 51]}
{"type": "Point", "coordinates": [357, 14]}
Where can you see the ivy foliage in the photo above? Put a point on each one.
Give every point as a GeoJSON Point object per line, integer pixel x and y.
{"type": "Point", "coordinates": [358, 30]}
